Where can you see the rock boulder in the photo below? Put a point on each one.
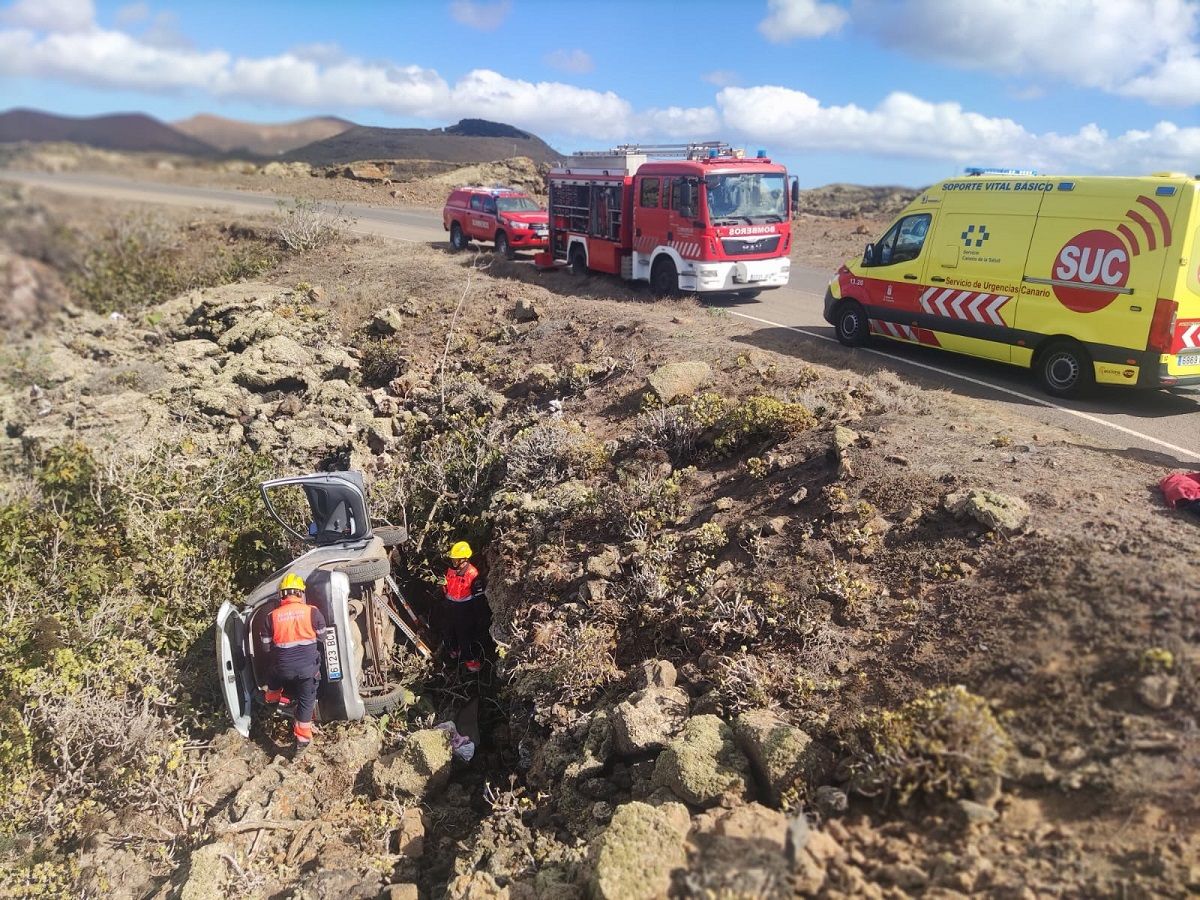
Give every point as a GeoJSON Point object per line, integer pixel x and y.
{"type": "Point", "coordinates": [419, 768]}
{"type": "Point", "coordinates": [648, 719]}
{"type": "Point", "coordinates": [703, 765]}
{"type": "Point", "coordinates": [679, 379]}
{"type": "Point", "coordinates": [636, 854]}
{"type": "Point", "coordinates": [780, 753]}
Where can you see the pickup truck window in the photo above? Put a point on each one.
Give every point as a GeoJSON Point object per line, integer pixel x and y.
{"type": "Point", "coordinates": [489, 205]}
{"type": "Point", "coordinates": [476, 202]}
{"type": "Point", "coordinates": [516, 204]}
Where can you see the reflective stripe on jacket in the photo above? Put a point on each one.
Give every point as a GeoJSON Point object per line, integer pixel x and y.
{"type": "Point", "coordinates": [292, 623]}
{"type": "Point", "coordinates": [459, 587]}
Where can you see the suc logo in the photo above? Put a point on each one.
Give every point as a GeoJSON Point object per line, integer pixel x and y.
{"type": "Point", "coordinates": [1094, 258]}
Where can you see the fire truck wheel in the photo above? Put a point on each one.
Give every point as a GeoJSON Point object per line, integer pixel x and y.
{"type": "Point", "coordinates": [503, 247]}
{"type": "Point", "coordinates": [578, 262]}
{"type": "Point", "coordinates": [1064, 369]}
{"type": "Point", "coordinates": [458, 240]}
{"type": "Point", "coordinates": [664, 280]}
{"type": "Point", "coordinates": [850, 323]}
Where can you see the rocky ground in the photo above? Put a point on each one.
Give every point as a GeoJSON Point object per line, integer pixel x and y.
{"type": "Point", "coordinates": [763, 627]}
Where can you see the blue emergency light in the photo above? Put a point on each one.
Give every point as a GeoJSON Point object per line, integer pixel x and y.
{"type": "Point", "coordinates": [986, 170]}
{"type": "Point", "coordinates": [762, 154]}
{"type": "Point", "coordinates": [712, 154]}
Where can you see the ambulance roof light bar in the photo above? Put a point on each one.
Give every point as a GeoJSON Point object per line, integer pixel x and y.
{"type": "Point", "coordinates": [990, 170]}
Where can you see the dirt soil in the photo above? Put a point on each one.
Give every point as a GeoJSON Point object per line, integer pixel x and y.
{"type": "Point", "coordinates": [1079, 624]}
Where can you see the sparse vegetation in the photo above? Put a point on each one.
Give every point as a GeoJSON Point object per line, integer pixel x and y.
{"type": "Point", "coordinates": [306, 225]}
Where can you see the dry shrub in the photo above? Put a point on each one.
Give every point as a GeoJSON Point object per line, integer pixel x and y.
{"type": "Point", "coordinates": [946, 743]}
{"type": "Point", "coordinates": [549, 453]}
{"type": "Point", "coordinates": [310, 224]}
{"type": "Point", "coordinates": [560, 663]}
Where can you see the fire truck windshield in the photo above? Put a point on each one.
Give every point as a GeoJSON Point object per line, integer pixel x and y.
{"type": "Point", "coordinates": [752, 197]}
{"type": "Point", "coordinates": [516, 204]}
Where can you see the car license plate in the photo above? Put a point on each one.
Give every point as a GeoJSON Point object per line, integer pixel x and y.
{"type": "Point", "coordinates": [333, 665]}
{"type": "Point", "coordinates": [1189, 359]}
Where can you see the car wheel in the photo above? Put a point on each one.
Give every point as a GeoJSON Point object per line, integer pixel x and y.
{"type": "Point", "coordinates": [850, 323]}
{"type": "Point", "coordinates": [578, 263]}
{"type": "Point", "coordinates": [384, 702]}
{"type": "Point", "coordinates": [366, 571]}
{"type": "Point", "coordinates": [458, 240]}
{"type": "Point", "coordinates": [1064, 369]}
{"type": "Point", "coordinates": [391, 535]}
{"type": "Point", "coordinates": [503, 247]}
{"type": "Point", "coordinates": [664, 280]}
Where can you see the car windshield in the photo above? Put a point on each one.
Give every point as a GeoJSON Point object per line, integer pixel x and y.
{"type": "Point", "coordinates": [753, 197]}
{"type": "Point", "coordinates": [516, 204]}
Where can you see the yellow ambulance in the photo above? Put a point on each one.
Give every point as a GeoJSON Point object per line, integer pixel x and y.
{"type": "Point", "coordinates": [1086, 280]}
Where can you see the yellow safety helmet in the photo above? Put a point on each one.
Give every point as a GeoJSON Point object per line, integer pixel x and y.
{"type": "Point", "coordinates": [291, 584]}
{"type": "Point", "coordinates": [461, 550]}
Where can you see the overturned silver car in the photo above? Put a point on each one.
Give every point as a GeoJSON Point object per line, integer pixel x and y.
{"type": "Point", "coordinates": [348, 577]}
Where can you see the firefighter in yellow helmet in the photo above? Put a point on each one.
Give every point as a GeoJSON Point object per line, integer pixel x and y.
{"type": "Point", "coordinates": [465, 600]}
{"type": "Point", "coordinates": [291, 636]}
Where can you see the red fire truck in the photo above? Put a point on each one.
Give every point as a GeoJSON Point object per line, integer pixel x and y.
{"type": "Point", "coordinates": [697, 217]}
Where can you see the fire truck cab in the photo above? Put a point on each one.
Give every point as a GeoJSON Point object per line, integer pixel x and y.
{"type": "Point", "coordinates": [695, 217]}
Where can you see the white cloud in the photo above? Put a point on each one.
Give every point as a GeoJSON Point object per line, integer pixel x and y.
{"type": "Point", "coordinates": [790, 19]}
{"type": "Point", "coordinates": [697, 123]}
{"type": "Point", "coordinates": [722, 77]}
{"type": "Point", "coordinates": [906, 126]}
{"type": "Point", "coordinates": [480, 15]}
{"type": "Point", "coordinates": [52, 15]}
{"type": "Point", "coordinates": [546, 105]}
{"type": "Point", "coordinates": [1144, 49]}
{"type": "Point", "coordinates": [577, 62]}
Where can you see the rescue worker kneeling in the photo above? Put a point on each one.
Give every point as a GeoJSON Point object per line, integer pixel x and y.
{"type": "Point", "coordinates": [293, 631]}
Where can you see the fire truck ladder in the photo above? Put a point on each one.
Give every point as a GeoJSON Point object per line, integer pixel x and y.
{"type": "Point", "coordinates": [695, 150]}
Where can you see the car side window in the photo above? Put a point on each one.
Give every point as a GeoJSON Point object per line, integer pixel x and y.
{"type": "Point", "coordinates": [910, 238]}
{"type": "Point", "coordinates": [649, 194]}
{"type": "Point", "coordinates": [903, 241]}
{"type": "Point", "coordinates": [489, 205]}
{"type": "Point", "coordinates": [476, 202]}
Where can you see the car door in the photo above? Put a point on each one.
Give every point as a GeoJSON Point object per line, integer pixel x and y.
{"type": "Point", "coordinates": [234, 667]}
{"type": "Point", "coordinates": [894, 268]}
{"type": "Point", "coordinates": [336, 505]}
{"type": "Point", "coordinates": [649, 217]}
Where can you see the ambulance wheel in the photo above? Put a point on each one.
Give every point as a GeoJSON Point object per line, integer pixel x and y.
{"type": "Point", "coordinates": [578, 262]}
{"type": "Point", "coordinates": [1064, 369]}
{"type": "Point", "coordinates": [503, 247]}
{"type": "Point", "coordinates": [458, 240]}
{"type": "Point", "coordinates": [850, 323]}
{"type": "Point", "coordinates": [664, 280]}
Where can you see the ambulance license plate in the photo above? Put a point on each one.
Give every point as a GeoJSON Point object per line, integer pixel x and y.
{"type": "Point", "coordinates": [1189, 359]}
{"type": "Point", "coordinates": [333, 664]}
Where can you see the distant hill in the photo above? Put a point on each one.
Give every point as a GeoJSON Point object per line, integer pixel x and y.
{"type": "Point", "coordinates": [120, 131]}
{"type": "Point", "coordinates": [231, 135]}
{"type": "Point", "coordinates": [470, 141]}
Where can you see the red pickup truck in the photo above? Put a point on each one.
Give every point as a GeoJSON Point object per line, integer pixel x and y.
{"type": "Point", "coordinates": [511, 219]}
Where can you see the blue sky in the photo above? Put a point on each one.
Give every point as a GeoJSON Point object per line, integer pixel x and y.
{"type": "Point", "coordinates": [865, 91]}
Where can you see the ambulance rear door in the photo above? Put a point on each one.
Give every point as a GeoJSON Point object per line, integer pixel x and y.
{"type": "Point", "coordinates": [1095, 268]}
{"type": "Point", "coordinates": [1182, 284]}
{"type": "Point", "coordinates": [975, 267]}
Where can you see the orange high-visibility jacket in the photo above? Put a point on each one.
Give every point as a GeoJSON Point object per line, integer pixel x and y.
{"type": "Point", "coordinates": [465, 586]}
{"type": "Point", "coordinates": [293, 623]}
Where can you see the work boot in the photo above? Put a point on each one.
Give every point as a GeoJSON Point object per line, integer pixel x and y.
{"type": "Point", "coordinates": [301, 746]}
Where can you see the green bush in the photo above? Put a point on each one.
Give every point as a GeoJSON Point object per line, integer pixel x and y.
{"type": "Point", "coordinates": [111, 569]}
{"type": "Point", "coordinates": [946, 743]}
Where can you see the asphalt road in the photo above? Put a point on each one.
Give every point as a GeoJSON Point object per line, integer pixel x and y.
{"type": "Point", "coordinates": [1158, 427]}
